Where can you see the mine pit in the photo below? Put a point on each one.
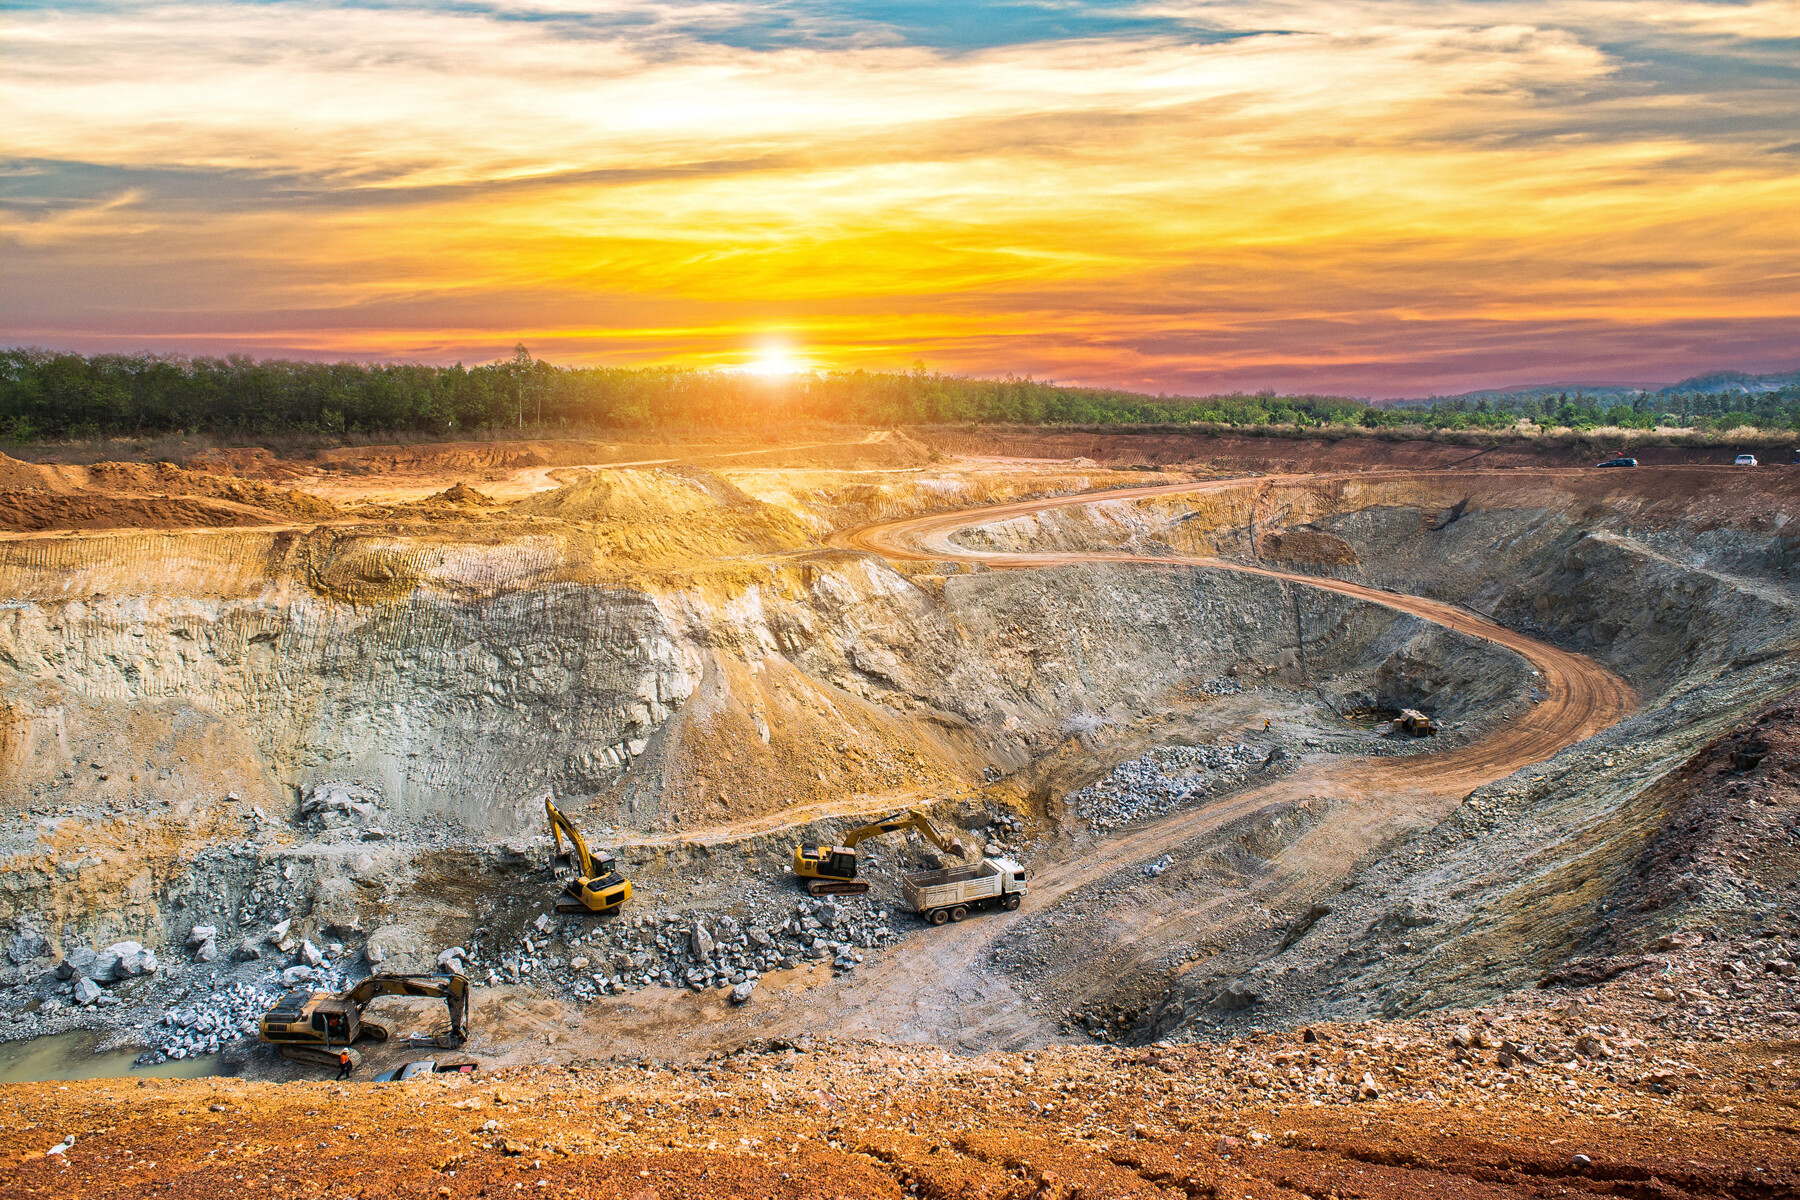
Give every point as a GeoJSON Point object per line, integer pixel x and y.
{"type": "Point", "coordinates": [287, 734]}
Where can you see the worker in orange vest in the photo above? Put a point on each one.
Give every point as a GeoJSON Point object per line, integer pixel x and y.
{"type": "Point", "coordinates": [343, 1064]}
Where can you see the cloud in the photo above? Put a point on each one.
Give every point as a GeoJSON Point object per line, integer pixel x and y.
{"type": "Point", "coordinates": [1084, 187]}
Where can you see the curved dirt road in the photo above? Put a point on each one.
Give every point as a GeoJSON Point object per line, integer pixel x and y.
{"type": "Point", "coordinates": [933, 986]}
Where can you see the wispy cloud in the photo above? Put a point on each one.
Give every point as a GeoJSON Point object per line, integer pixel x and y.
{"type": "Point", "coordinates": [1158, 194]}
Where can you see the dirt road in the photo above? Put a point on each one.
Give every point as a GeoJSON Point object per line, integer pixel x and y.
{"type": "Point", "coordinates": [933, 987]}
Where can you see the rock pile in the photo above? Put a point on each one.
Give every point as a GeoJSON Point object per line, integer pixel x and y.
{"type": "Point", "coordinates": [695, 950]}
{"type": "Point", "coordinates": [205, 1023]}
{"type": "Point", "coordinates": [1163, 780]}
{"type": "Point", "coordinates": [344, 809]}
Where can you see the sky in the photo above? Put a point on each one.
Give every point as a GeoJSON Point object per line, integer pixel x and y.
{"type": "Point", "coordinates": [1367, 197]}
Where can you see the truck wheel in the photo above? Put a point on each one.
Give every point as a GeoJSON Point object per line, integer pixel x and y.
{"type": "Point", "coordinates": [958, 913]}
{"type": "Point", "coordinates": [938, 916]}
{"type": "Point", "coordinates": [1011, 902]}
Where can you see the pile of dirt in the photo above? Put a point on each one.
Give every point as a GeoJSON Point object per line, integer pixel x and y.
{"type": "Point", "coordinates": [37, 512]}
{"type": "Point", "coordinates": [30, 477]}
{"type": "Point", "coordinates": [123, 495]}
{"type": "Point", "coordinates": [668, 516]}
{"type": "Point", "coordinates": [167, 479]}
{"type": "Point", "coordinates": [1308, 547]}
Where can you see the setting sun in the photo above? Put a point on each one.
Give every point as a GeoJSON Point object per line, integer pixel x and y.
{"type": "Point", "coordinates": [776, 360]}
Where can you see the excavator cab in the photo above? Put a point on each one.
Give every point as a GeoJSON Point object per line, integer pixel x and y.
{"type": "Point", "coordinates": [812, 860]}
{"type": "Point", "coordinates": [597, 894]}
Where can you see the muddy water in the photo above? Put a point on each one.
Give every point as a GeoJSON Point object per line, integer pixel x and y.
{"type": "Point", "coordinates": [71, 1056]}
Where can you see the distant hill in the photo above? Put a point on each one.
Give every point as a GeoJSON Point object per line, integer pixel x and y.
{"type": "Point", "coordinates": [1710, 382]}
{"type": "Point", "coordinates": [1734, 381]}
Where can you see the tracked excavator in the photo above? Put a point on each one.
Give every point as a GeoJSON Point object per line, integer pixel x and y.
{"type": "Point", "coordinates": [598, 887]}
{"type": "Point", "coordinates": [317, 1027]}
{"type": "Point", "coordinates": [831, 870]}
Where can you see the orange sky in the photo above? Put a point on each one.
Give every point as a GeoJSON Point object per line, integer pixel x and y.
{"type": "Point", "coordinates": [1374, 198]}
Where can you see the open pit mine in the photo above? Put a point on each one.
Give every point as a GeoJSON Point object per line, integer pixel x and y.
{"type": "Point", "coordinates": [1174, 816]}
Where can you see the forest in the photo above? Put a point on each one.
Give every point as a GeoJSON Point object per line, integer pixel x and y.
{"type": "Point", "coordinates": [46, 395]}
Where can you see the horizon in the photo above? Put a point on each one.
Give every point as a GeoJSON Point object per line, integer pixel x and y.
{"type": "Point", "coordinates": [1382, 200]}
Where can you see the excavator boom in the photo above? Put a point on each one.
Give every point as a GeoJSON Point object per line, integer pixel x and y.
{"type": "Point", "coordinates": [831, 870]}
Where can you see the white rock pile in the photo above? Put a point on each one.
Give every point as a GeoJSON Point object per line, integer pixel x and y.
{"type": "Point", "coordinates": [695, 950]}
{"type": "Point", "coordinates": [205, 1022]}
{"type": "Point", "coordinates": [1163, 780]}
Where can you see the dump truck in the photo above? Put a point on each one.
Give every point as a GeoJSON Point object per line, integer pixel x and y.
{"type": "Point", "coordinates": [1412, 721]}
{"type": "Point", "coordinates": [955, 892]}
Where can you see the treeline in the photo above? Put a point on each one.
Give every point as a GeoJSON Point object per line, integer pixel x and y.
{"type": "Point", "coordinates": [47, 395]}
{"type": "Point", "coordinates": [1711, 410]}
{"type": "Point", "coordinates": [50, 395]}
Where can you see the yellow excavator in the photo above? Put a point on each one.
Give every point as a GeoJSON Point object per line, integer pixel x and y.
{"type": "Point", "coordinates": [317, 1027]}
{"type": "Point", "coordinates": [831, 870]}
{"type": "Point", "coordinates": [597, 887]}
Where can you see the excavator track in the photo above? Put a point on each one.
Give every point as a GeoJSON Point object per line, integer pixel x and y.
{"type": "Point", "coordinates": [836, 887]}
{"type": "Point", "coordinates": [324, 1056]}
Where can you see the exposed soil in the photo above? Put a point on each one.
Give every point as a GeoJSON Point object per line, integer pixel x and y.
{"type": "Point", "coordinates": [707, 652]}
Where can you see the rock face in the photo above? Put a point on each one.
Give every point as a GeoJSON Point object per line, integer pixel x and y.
{"type": "Point", "coordinates": [341, 807]}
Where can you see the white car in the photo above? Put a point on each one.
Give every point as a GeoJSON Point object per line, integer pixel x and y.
{"type": "Point", "coordinates": [1744, 460]}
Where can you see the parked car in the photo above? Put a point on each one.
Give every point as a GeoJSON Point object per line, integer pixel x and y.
{"type": "Point", "coordinates": [413, 1070]}
{"type": "Point", "coordinates": [1744, 460]}
{"type": "Point", "coordinates": [1618, 462]}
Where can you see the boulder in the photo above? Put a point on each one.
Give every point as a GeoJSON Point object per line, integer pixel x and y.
{"type": "Point", "coordinates": [336, 805]}
{"type": "Point", "coordinates": [294, 976]}
{"type": "Point", "coordinates": [278, 933]}
{"type": "Point", "coordinates": [248, 950]}
{"type": "Point", "coordinates": [206, 951]}
{"type": "Point", "coordinates": [26, 946]}
{"type": "Point", "coordinates": [451, 960]}
{"type": "Point", "coordinates": [135, 961]}
{"type": "Point", "coordinates": [78, 961]}
{"type": "Point", "coordinates": [199, 935]}
{"type": "Point", "coordinates": [310, 955]}
{"type": "Point", "coordinates": [740, 994]}
{"type": "Point", "coordinates": [400, 949]}
{"type": "Point", "coordinates": [86, 991]}
{"type": "Point", "coordinates": [700, 941]}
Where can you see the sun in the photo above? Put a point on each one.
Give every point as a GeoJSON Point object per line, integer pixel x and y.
{"type": "Point", "coordinates": [775, 359]}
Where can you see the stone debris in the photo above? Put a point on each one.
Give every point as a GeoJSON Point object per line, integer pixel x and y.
{"type": "Point", "coordinates": [340, 808]}
{"type": "Point", "coordinates": [697, 951]}
{"type": "Point", "coordinates": [208, 1020]}
{"type": "Point", "coordinates": [1163, 780]}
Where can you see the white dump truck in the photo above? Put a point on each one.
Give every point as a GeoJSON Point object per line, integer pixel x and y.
{"type": "Point", "coordinates": [955, 892]}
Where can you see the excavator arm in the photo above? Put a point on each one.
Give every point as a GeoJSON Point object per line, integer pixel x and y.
{"type": "Point", "coordinates": [560, 828]}
{"type": "Point", "coordinates": [831, 870]}
{"type": "Point", "coordinates": [453, 990]}
{"type": "Point", "coordinates": [912, 818]}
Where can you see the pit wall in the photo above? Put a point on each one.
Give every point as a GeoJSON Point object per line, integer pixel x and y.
{"type": "Point", "coordinates": [1668, 576]}
{"type": "Point", "coordinates": [153, 714]}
